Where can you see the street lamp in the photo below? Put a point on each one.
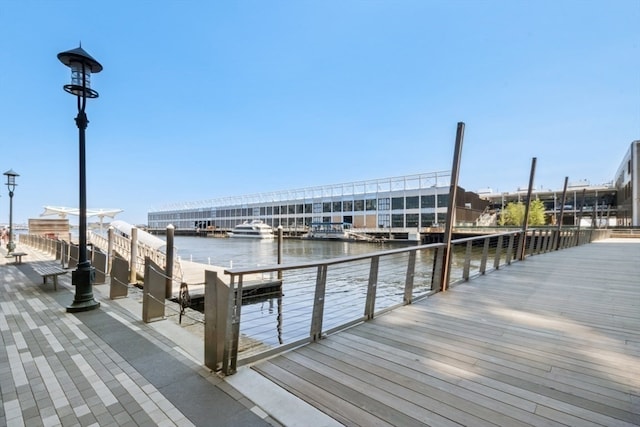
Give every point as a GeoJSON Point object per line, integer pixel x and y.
{"type": "Point", "coordinates": [82, 65]}
{"type": "Point", "coordinates": [11, 185]}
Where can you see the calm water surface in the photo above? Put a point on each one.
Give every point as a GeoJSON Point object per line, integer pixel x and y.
{"type": "Point", "coordinates": [250, 253]}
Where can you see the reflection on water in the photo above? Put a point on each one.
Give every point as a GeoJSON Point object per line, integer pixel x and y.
{"type": "Point", "coordinates": [251, 253]}
{"type": "Point", "coordinates": [346, 283]}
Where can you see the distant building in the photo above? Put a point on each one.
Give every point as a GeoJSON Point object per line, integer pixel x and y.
{"type": "Point", "coordinates": [583, 203]}
{"type": "Point", "coordinates": [627, 182]}
{"type": "Point", "coordinates": [406, 202]}
{"type": "Point", "coordinates": [612, 204]}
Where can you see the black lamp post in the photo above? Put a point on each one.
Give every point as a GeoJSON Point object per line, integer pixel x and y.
{"type": "Point", "coordinates": [82, 65]}
{"type": "Point", "coordinates": [11, 185]}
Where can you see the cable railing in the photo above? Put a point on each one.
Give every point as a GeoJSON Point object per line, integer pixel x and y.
{"type": "Point", "coordinates": [269, 309]}
{"type": "Point", "coordinates": [319, 298]}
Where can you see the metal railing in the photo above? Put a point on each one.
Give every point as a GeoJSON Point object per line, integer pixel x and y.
{"type": "Point", "coordinates": [319, 298]}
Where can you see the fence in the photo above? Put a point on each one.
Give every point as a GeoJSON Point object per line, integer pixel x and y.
{"type": "Point", "coordinates": [322, 297]}
{"type": "Point", "coordinates": [313, 299]}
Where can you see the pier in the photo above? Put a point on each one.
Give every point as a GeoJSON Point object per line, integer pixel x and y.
{"type": "Point", "coordinates": [549, 341]}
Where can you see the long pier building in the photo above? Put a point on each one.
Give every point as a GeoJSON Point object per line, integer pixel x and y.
{"type": "Point", "coordinates": [407, 204]}
{"type": "Point", "coordinates": [400, 204]}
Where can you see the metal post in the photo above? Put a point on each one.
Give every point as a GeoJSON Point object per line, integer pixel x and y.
{"type": "Point", "coordinates": [10, 245]}
{"type": "Point", "coordinates": [168, 287]}
{"type": "Point", "coordinates": [523, 247]}
{"type": "Point", "coordinates": [584, 192]}
{"type": "Point", "coordinates": [564, 199]}
{"type": "Point", "coordinates": [451, 208]}
{"type": "Point", "coordinates": [83, 276]}
{"type": "Point", "coordinates": [280, 242]}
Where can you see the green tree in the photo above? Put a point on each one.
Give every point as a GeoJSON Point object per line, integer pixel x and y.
{"type": "Point", "coordinates": [513, 214]}
{"type": "Point", "coordinates": [536, 213]}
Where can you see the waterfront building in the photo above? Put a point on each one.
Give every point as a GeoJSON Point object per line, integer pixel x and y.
{"type": "Point", "coordinates": [616, 203]}
{"type": "Point", "coordinates": [627, 182]}
{"type": "Point", "coordinates": [599, 203]}
{"type": "Point", "coordinates": [397, 204]}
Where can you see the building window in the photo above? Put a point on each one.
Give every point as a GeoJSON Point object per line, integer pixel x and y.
{"type": "Point", "coordinates": [337, 206]}
{"type": "Point", "coordinates": [384, 221]}
{"type": "Point", "coordinates": [397, 220]}
{"type": "Point", "coordinates": [384, 204]}
{"type": "Point", "coordinates": [427, 220]}
{"type": "Point", "coordinates": [358, 205]}
{"type": "Point", "coordinates": [347, 206]}
{"type": "Point", "coordinates": [371, 204]}
{"type": "Point", "coordinates": [428, 201]}
{"type": "Point", "coordinates": [412, 220]}
{"type": "Point", "coordinates": [443, 200]}
{"type": "Point", "coordinates": [412, 203]}
{"type": "Point", "coordinates": [397, 203]}
{"type": "Point", "coordinates": [326, 207]}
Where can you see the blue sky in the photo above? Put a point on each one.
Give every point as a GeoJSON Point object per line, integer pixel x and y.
{"type": "Point", "coordinates": [201, 99]}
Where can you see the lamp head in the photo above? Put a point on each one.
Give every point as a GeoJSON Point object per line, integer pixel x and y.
{"type": "Point", "coordinates": [82, 65]}
{"type": "Point", "coordinates": [11, 179]}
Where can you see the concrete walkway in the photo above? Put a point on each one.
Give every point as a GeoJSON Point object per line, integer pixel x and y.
{"type": "Point", "coordinates": [108, 368]}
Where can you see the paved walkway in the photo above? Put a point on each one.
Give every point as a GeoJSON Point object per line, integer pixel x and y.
{"type": "Point", "coordinates": [104, 367]}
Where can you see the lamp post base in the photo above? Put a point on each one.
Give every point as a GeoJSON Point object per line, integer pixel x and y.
{"type": "Point", "coordinates": [82, 279]}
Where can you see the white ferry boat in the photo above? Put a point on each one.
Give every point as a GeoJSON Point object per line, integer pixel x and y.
{"type": "Point", "coordinates": [252, 230]}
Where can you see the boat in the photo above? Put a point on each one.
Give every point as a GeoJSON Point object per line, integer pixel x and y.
{"type": "Point", "coordinates": [252, 230]}
{"type": "Point", "coordinates": [334, 231]}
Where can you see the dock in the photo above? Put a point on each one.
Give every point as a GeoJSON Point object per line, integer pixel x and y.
{"type": "Point", "coordinates": [255, 287]}
{"type": "Point", "coordinates": [553, 340]}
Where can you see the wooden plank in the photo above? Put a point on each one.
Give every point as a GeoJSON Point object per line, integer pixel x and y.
{"type": "Point", "coordinates": [554, 339]}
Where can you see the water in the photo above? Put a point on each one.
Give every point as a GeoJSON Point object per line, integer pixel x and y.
{"type": "Point", "coordinates": [241, 253]}
{"type": "Point", "coordinates": [287, 319]}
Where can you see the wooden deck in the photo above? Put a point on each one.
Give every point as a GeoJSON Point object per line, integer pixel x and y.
{"type": "Point", "coordinates": [553, 340]}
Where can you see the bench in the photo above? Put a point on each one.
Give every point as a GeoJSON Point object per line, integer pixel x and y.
{"type": "Point", "coordinates": [49, 271]}
{"type": "Point", "coordinates": [18, 256]}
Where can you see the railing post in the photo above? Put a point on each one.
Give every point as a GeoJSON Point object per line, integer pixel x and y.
{"type": "Point", "coordinates": [280, 247]}
{"type": "Point", "coordinates": [509, 254]}
{"type": "Point", "coordinates": [408, 282]}
{"type": "Point", "coordinates": [318, 303]}
{"type": "Point", "coordinates": [133, 274]}
{"type": "Point", "coordinates": [216, 295]}
{"type": "Point", "coordinates": [467, 260]}
{"type": "Point", "coordinates": [538, 248]}
{"type": "Point", "coordinates": [370, 303]}
{"type": "Point", "coordinates": [525, 226]}
{"type": "Point", "coordinates": [496, 261]}
{"type": "Point", "coordinates": [532, 242]}
{"type": "Point", "coordinates": [232, 332]}
{"type": "Point", "coordinates": [485, 255]}
{"type": "Point", "coordinates": [168, 286]}
{"type": "Point", "coordinates": [575, 241]}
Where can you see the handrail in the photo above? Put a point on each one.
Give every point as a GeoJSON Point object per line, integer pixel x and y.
{"type": "Point", "coordinates": [331, 294]}
{"type": "Point", "coordinates": [327, 262]}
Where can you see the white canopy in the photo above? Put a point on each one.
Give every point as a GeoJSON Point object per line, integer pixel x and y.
{"type": "Point", "coordinates": [62, 212]}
